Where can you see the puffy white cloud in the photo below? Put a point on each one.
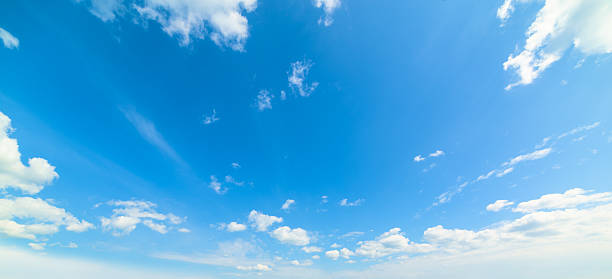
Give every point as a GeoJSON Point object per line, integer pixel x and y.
{"type": "Point", "coordinates": [297, 78]}
{"type": "Point", "coordinates": [14, 174]}
{"type": "Point", "coordinates": [418, 158]}
{"type": "Point", "coordinates": [302, 263]}
{"type": "Point", "coordinates": [222, 20]}
{"type": "Point", "coordinates": [216, 185]}
{"type": "Point", "coordinates": [333, 254]}
{"type": "Point", "coordinates": [328, 6]}
{"type": "Point", "coordinates": [558, 26]}
{"type": "Point", "coordinates": [438, 153]}
{"type": "Point", "coordinates": [287, 204]}
{"type": "Point", "coordinates": [128, 214]}
{"type": "Point", "coordinates": [37, 246]}
{"type": "Point", "coordinates": [570, 199]}
{"type": "Point", "coordinates": [346, 253]}
{"type": "Point", "coordinates": [287, 235]}
{"type": "Point", "coordinates": [312, 249]}
{"type": "Point", "coordinates": [499, 205]}
{"type": "Point", "coordinates": [261, 221]}
{"type": "Point", "coordinates": [8, 39]}
{"type": "Point", "coordinates": [235, 227]}
{"type": "Point", "coordinates": [357, 202]}
{"type": "Point", "coordinates": [264, 100]}
{"type": "Point", "coordinates": [388, 243]}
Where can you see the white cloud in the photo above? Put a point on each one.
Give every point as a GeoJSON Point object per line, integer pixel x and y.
{"type": "Point", "coordinates": [287, 204]}
{"type": "Point", "coordinates": [303, 263]}
{"type": "Point", "coordinates": [8, 39]}
{"type": "Point", "coordinates": [128, 214]}
{"type": "Point", "coordinates": [13, 173]}
{"type": "Point", "coordinates": [388, 243]}
{"type": "Point", "coordinates": [335, 245]}
{"type": "Point", "coordinates": [312, 249]}
{"type": "Point", "coordinates": [216, 185]}
{"type": "Point", "coordinates": [235, 227]}
{"type": "Point", "coordinates": [570, 199]}
{"type": "Point", "coordinates": [579, 129]}
{"type": "Point", "coordinates": [324, 199]}
{"type": "Point", "coordinates": [558, 26]}
{"type": "Point", "coordinates": [536, 155]}
{"type": "Point", "coordinates": [328, 6]}
{"type": "Point", "coordinates": [42, 218]}
{"type": "Point", "coordinates": [184, 230]}
{"type": "Point", "coordinates": [438, 153]}
{"type": "Point", "coordinates": [346, 253]}
{"type": "Point", "coordinates": [287, 235]}
{"type": "Point", "coordinates": [232, 180]}
{"type": "Point", "coordinates": [351, 234]}
{"type": "Point", "coordinates": [418, 158]}
{"type": "Point", "coordinates": [257, 267]}
{"type": "Point", "coordinates": [316, 257]}
{"type": "Point", "coordinates": [147, 130]}
{"type": "Point", "coordinates": [210, 119]}
{"type": "Point", "coordinates": [236, 165]}
{"type": "Point", "coordinates": [261, 221]}
{"type": "Point", "coordinates": [37, 246]}
{"type": "Point", "coordinates": [357, 202]}
{"type": "Point", "coordinates": [264, 100]}
{"type": "Point", "coordinates": [499, 205]}
{"type": "Point", "coordinates": [333, 254]}
{"type": "Point", "coordinates": [504, 172]}
{"type": "Point", "coordinates": [222, 20]}
{"type": "Point", "coordinates": [297, 78]}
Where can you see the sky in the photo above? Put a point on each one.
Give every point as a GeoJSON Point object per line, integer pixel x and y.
{"type": "Point", "coordinates": [305, 139]}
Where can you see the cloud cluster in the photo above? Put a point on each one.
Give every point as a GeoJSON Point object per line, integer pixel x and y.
{"type": "Point", "coordinates": [261, 222]}
{"type": "Point", "coordinates": [287, 235]}
{"type": "Point", "coordinates": [559, 26]}
{"type": "Point", "coordinates": [127, 215]}
{"type": "Point", "coordinates": [297, 78]}
{"type": "Point", "coordinates": [223, 21]}
{"type": "Point", "coordinates": [388, 243]}
{"type": "Point", "coordinates": [24, 216]}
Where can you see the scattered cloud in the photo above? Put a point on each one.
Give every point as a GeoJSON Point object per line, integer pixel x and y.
{"type": "Point", "coordinates": [236, 165]}
{"type": "Point", "coordinates": [418, 158]}
{"type": "Point", "coordinates": [257, 267]}
{"type": "Point", "coordinates": [421, 158]}
{"type": "Point", "coordinates": [312, 249]}
{"type": "Point", "coordinates": [297, 78]}
{"type": "Point", "coordinates": [351, 234]}
{"type": "Point", "coordinates": [329, 7]}
{"type": "Point", "coordinates": [499, 205]}
{"type": "Point", "coordinates": [570, 199]}
{"type": "Point", "coordinates": [287, 205]}
{"type": "Point", "coordinates": [37, 246]}
{"type": "Point", "coordinates": [223, 21]}
{"type": "Point", "coordinates": [388, 243]}
{"type": "Point", "coordinates": [210, 119]}
{"type": "Point", "coordinates": [216, 185]}
{"type": "Point", "coordinates": [232, 180]}
{"type": "Point", "coordinates": [346, 253]}
{"type": "Point", "coordinates": [558, 26]}
{"type": "Point", "coordinates": [438, 153]}
{"type": "Point", "coordinates": [8, 39]}
{"type": "Point", "coordinates": [261, 222]}
{"type": "Point", "coordinates": [333, 254]}
{"type": "Point", "coordinates": [127, 215]}
{"type": "Point", "coordinates": [346, 202]}
{"type": "Point", "coordinates": [324, 199]}
{"type": "Point", "coordinates": [235, 227]}
{"type": "Point", "coordinates": [579, 130]}
{"type": "Point", "coordinates": [504, 172]}
{"type": "Point", "coordinates": [287, 235]}
{"type": "Point", "coordinates": [264, 100]}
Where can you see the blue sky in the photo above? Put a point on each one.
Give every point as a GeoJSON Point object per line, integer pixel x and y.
{"type": "Point", "coordinates": [305, 139]}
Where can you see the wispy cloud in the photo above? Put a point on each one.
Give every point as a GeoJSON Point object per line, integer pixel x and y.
{"type": "Point", "coordinates": [298, 76]}
{"type": "Point", "coordinates": [210, 119]}
{"type": "Point", "coordinates": [329, 7]}
{"type": "Point", "coordinates": [149, 132]}
{"type": "Point", "coordinates": [347, 203]}
{"type": "Point", "coordinates": [8, 39]}
{"type": "Point", "coordinates": [264, 100]}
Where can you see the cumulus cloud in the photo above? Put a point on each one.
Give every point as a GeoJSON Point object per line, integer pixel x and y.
{"type": "Point", "coordinates": [287, 235]}
{"type": "Point", "coordinates": [570, 199]}
{"type": "Point", "coordinates": [38, 216]}
{"type": "Point", "coordinates": [261, 222]}
{"type": "Point", "coordinates": [418, 158]}
{"type": "Point", "coordinates": [8, 39]}
{"type": "Point", "coordinates": [264, 100]}
{"type": "Point", "coordinates": [333, 254]}
{"type": "Point", "coordinates": [235, 227]}
{"type": "Point", "coordinates": [216, 185]}
{"type": "Point", "coordinates": [297, 78]}
{"type": "Point", "coordinates": [222, 20]}
{"type": "Point", "coordinates": [388, 243]}
{"type": "Point", "coordinates": [499, 205]}
{"type": "Point", "coordinates": [287, 204]}
{"type": "Point", "coordinates": [29, 179]}
{"type": "Point", "coordinates": [127, 215]}
{"type": "Point", "coordinates": [559, 25]}
{"type": "Point", "coordinates": [329, 7]}
{"type": "Point", "coordinates": [347, 203]}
